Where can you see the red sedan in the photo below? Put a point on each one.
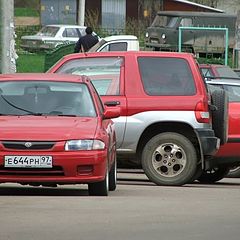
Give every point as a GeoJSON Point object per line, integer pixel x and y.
{"type": "Point", "coordinates": [218, 71]}
{"type": "Point", "coordinates": [55, 130]}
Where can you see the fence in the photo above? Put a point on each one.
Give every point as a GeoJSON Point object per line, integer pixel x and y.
{"type": "Point", "coordinates": [40, 61]}
{"type": "Point", "coordinates": [102, 32]}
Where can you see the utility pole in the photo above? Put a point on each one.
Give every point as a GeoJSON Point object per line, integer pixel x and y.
{"type": "Point", "coordinates": [81, 12]}
{"type": "Point", "coordinates": [8, 53]}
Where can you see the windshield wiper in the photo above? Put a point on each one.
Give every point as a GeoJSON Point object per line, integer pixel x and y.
{"type": "Point", "coordinates": [66, 115]}
{"type": "Point", "coordinates": [19, 108]}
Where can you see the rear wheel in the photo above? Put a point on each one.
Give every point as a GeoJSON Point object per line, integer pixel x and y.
{"type": "Point", "coordinates": [234, 172]}
{"type": "Point", "coordinates": [213, 175]}
{"type": "Point", "coordinates": [197, 174]}
{"type": "Point", "coordinates": [169, 159]}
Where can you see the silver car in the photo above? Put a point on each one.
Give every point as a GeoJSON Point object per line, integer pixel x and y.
{"type": "Point", "coordinates": [50, 36]}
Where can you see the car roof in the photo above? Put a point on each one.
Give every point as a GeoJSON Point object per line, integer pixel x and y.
{"type": "Point", "coordinates": [120, 37]}
{"type": "Point", "coordinates": [126, 53]}
{"type": "Point", "coordinates": [195, 14]}
{"type": "Point", "coordinates": [212, 65]}
{"type": "Point", "coordinates": [43, 77]}
{"type": "Point", "coordinates": [64, 25]}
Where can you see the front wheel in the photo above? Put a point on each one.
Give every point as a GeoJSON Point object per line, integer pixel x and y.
{"type": "Point", "coordinates": [113, 177]}
{"type": "Point", "coordinates": [169, 159]}
{"type": "Point", "coordinates": [99, 188]}
{"type": "Point", "coordinates": [213, 175]}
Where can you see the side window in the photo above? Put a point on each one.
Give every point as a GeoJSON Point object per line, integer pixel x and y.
{"type": "Point", "coordinates": [81, 32]}
{"type": "Point", "coordinates": [233, 93]}
{"type": "Point", "coordinates": [70, 32]}
{"type": "Point", "coordinates": [104, 72]}
{"type": "Point", "coordinates": [121, 46]}
{"type": "Point", "coordinates": [166, 76]}
{"type": "Point", "coordinates": [186, 22]}
{"type": "Point", "coordinates": [207, 72]}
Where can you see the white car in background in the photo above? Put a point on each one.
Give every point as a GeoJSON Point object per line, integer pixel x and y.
{"type": "Point", "coordinates": [50, 36]}
{"type": "Point", "coordinates": [116, 43]}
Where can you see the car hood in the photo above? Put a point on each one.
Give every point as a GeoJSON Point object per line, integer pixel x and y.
{"type": "Point", "coordinates": [41, 128]}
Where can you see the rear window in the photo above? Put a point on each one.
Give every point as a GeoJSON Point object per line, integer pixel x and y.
{"type": "Point", "coordinates": [48, 31]}
{"type": "Point", "coordinates": [226, 72]}
{"type": "Point", "coordinates": [166, 76]}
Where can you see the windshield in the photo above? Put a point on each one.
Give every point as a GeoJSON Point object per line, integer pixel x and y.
{"type": "Point", "coordinates": [97, 46]}
{"type": "Point", "coordinates": [45, 98]}
{"type": "Point", "coordinates": [48, 31]}
{"type": "Point", "coordinates": [164, 21]}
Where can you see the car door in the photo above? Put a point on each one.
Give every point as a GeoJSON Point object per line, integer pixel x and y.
{"type": "Point", "coordinates": [114, 46]}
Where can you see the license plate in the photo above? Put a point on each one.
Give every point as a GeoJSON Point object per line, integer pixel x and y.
{"type": "Point", "coordinates": [28, 161]}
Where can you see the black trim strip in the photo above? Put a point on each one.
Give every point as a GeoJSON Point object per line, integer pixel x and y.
{"type": "Point", "coordinates": [233, 140]}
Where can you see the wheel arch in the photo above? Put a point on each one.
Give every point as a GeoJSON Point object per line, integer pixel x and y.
{"type": "Point", "coordinates": [161, 127]}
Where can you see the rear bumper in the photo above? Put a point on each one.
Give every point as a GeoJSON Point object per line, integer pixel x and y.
{"type": "Point", "coordinates": [68, 168]}
{"type": "Point", "coordinates": [208, 141]}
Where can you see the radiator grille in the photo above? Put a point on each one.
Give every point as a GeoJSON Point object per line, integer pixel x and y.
{"type": "Point", "coordinates": [23, 145]}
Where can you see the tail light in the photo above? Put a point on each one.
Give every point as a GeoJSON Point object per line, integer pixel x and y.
{"type": "Point", "coordinates": [202, 113]}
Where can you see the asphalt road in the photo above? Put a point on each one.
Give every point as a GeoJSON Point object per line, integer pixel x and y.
{"type": "Point", "coordinates": [136, 210]}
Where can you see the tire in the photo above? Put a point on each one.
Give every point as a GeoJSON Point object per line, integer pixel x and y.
{"type": "Point", "coordinates": [213, 175]}
{"type": "Point", "coordinates": [197, 174]}
{"type": "Point", "coordinates": [234, 172]}
{"type": "Point", "coordinates": [113, 177]}
{"type": "Point", "coordinates": [169, 159]}
{"type": "Point", "coordinates": [220, 115]}
{"type": "Point", "coordinates": [99, 188]}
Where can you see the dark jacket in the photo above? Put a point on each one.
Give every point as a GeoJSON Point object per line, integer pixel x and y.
{"type": "Point", "coordinates": [86, 42]}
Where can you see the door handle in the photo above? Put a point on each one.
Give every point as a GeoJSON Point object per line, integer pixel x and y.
{"type": "Point", "coordinates": [112, 103]}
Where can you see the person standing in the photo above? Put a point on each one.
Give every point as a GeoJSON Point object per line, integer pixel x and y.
{"type": "Point", "coordinates": [84, 43]}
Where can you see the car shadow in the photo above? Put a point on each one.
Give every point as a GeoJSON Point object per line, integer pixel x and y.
{"type": "Point", "coordinates": [41, 191]}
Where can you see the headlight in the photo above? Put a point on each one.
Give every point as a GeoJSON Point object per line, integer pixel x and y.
{"type": "Point", "coordinates": [163, 36]}
{"type": "Point", "coordinates": [75, 145]}
{"type": "Point", "coordinates": [146, 35]}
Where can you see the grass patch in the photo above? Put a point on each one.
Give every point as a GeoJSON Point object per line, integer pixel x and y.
{"type": "Point", "coordinates": [30, 63]}
{"type": "Point", "coordinates": [26, 12]}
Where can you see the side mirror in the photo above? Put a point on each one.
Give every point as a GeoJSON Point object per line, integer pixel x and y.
{"type": "Point", "coordinates": [111, 112]}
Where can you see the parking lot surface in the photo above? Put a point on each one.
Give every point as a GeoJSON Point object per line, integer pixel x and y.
{"type": "Point", "coordinates": [138, 209]}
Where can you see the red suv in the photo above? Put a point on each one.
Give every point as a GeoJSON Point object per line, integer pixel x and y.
{"type": "Point", "coordinates": [168, 126]}
{"type": "Point", "coordinates": [223, 77]}
{"type": "Point", "coordinates": [55, 130]}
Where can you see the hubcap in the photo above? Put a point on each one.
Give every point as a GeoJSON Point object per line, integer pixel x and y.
{"type": "Point", "coordinates": [169, 159]}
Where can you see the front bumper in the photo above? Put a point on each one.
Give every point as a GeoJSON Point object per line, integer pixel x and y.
{"type": "Point", "coordinates": [67, 168]}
